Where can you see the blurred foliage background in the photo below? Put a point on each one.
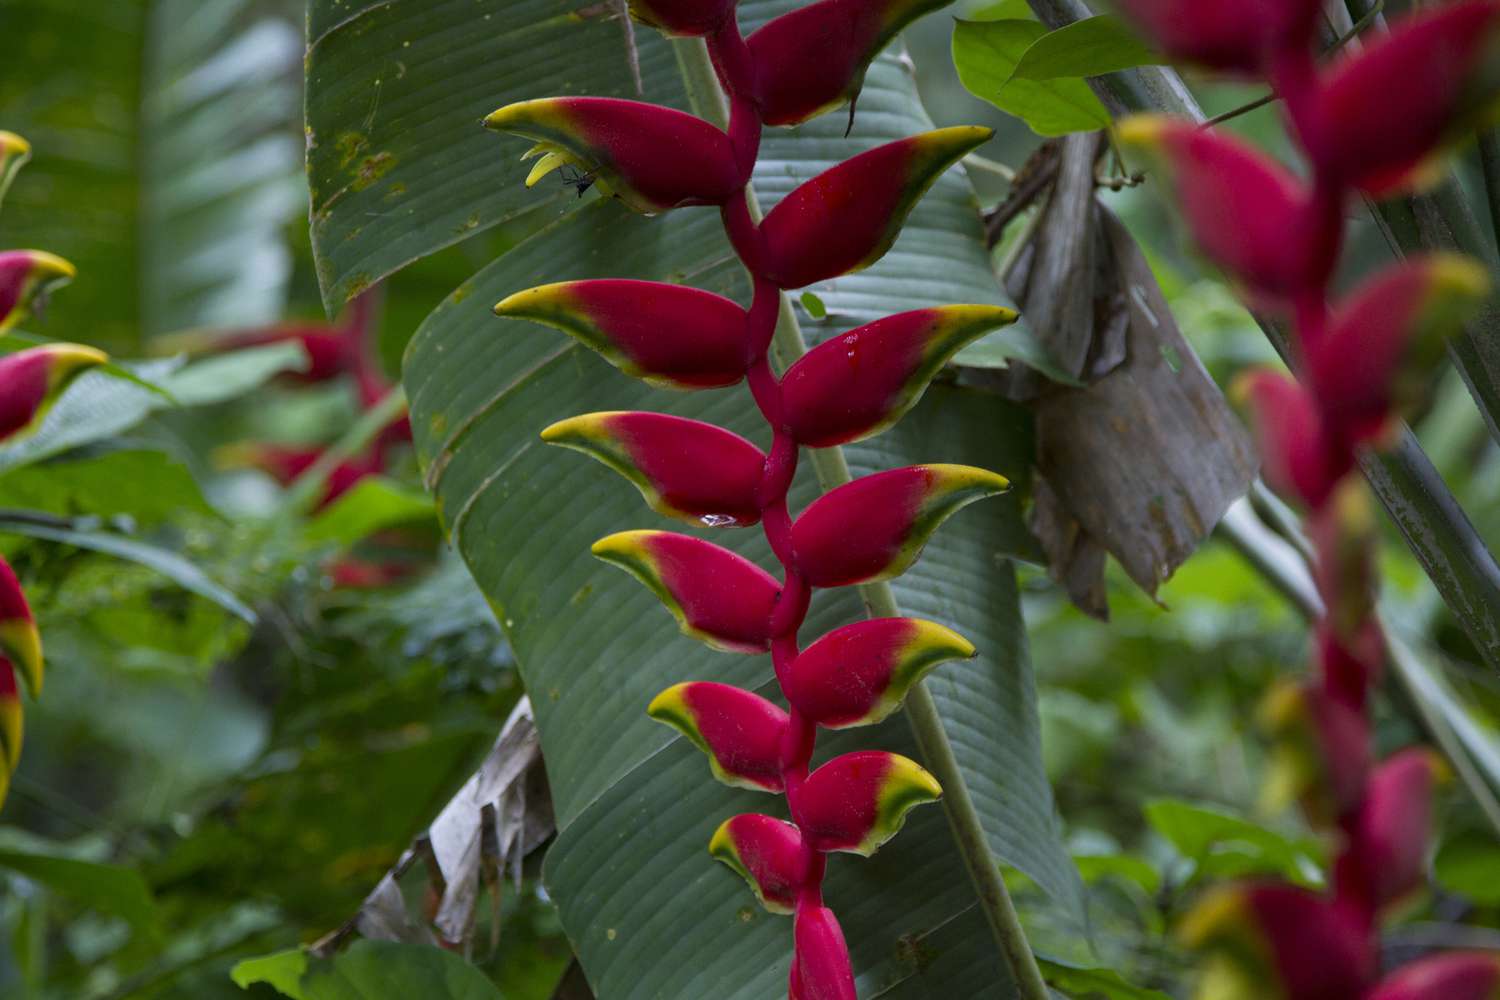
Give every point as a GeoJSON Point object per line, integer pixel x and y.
{"type": "Point", "coordinates": [199, 788]}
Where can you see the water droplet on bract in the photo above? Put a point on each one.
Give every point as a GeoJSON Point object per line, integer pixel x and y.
{"type": "Point", "coordinates": [718, 520]}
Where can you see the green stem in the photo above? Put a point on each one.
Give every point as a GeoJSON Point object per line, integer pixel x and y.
{"type": "Point", "coordinates": [831, 469]}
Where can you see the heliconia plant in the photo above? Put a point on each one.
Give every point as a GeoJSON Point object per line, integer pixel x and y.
{"type": "Point", "coordinates": [1372, 122]}
{"type": "Point", "coordinates": [14, 154]}
{"type": "Point", "coordinates": [653, 159]}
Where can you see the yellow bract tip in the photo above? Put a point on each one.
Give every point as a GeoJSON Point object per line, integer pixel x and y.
{"type": "Point", "coordinates": [526, 303]}
{"type": "Point", "coordinates": [21, 643]}
{"type": "Point", "coordinates": [958, 477]}
{"type": "Point", "coordinates": [585, 425]}
{"type": "Point", "coordinates": [1459, 275]}
{"type": "Point", "coordinates": [721, 844]}
{"type": "Point", "coordinates": [670, 703]}
{"type": "Point", "coordinates": [12, 144]}
{"type": "Point", "coordinates": [1216, 913]}
{"type": "Point", "coordinates": [51, 264]}
{"type": "Point", "coordinates": [623, 543]}
{"type": "Point", "coordinates": [1142, 130]}
{"type": "Point", "coordinates": [521, 113]}
{"type": "Point", "coordinates": [931, 635]}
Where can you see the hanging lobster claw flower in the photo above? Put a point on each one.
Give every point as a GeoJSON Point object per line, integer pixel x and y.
{"type": "Point", "coordinates": [20, 642]}
{"type": "Point", "coordinates": [32, 380]}
{"type": "Point", "coordinates": [683, 17]}
{"type": "Point", "coordinates": [857, 385]}
{"type": "Point", "coordinates": [668, 335]}
{"type": "Point", "coordinates": [1345, 536]}
{"type": "Point", "coordinates": [767, 853]}
{"type": "Point", "coordinates": [859, 674]}
{"type": "Point", "coordinates": [1321, 756]}
{"type": "Point", "coordinates": [685, 469]}
{"type": "Point", "coordinates": [813, 59]}
{"type": "Point", "coordinates": [716, 596]}
{"type": "Point", "coordinates": [27, 277]}
{"type": "Point", "coordinates": [1242, 37]}
{"type": "Point", "coordinates": [1384, 115]}
{"type": "Point", "coordinates": [1269, 940]}
{"type": "Point", "coordinates": [847, 217]}
{"type": "Point", "coordinates": [1380, 350]}
{"type": "Point", "coordinates": [650, 157]}
{"type": "Point", "coordinates": [14, 154]}
{"type": "Point", "coordinates": [1298, 458]}
{"type": "Point", "coordinates": [875, 527]}
{"type": "Point", "coordinates": [286, 464]}
{"type": "Point", "coordinates": [1247, 213]}
{"type": "Point", "coordinates": [858, 801]}
{"type": "Point", "coordinates": [740, 732]}
{"type": "Point", "coordinates": [820, 958]}
{"type": "Point", "coordinates": [1456, 975]}
{"type": "Point", "coordinates": [1386, 858]}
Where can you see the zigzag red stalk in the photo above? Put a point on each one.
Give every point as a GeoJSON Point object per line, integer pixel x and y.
{"type": "Point", "coordinates": [1373, 122]}
{"type": "Point", "coordinates": [855, 386]}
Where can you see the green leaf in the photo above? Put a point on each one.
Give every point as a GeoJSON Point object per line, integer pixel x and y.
{"type": "Point", "coordinates": [987, 54]}
{"type": "Point", "coordinates": [169, 564]}
{"type": "Point", "coordinates": [398, 162]}
{"type": "Point", "coordinates": [1087, 984]}
{"type": "Point", "coordinates": [151, 487]}
{"type": "Point", "coordinates": [97, 407]}
{"type": "Point", "coordinates": [1091, 47]}
{"type": "Point", "coordinates": [1466, 866]}
{"type": "Point", "coordinates": [814, 306]}
{"type": "Point", "coordinates": [385, 970]}
{"type": "Point", "coordinates": [282, 971]}
{"type": "Point", "coordinates": [375, 503]}
{"type": "Point", "coordinates": [650, 914]}
{"type": "Point", "coordinates": [112, 889]}
{"type": "Point", "coordinates": [174, 206]}
{"type": "Point", "coordinates": [1222, 845]}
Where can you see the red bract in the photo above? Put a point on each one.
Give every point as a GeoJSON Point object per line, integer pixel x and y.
{"type": "Point", "coordinates": [813, 59]}
{"type": "Point", "coordinates": [651, 158]}
{"type": "Point", "coordinates": [27, 277]}
{"type": "Point", "coordinates": [855, 803]}
{"type": "Point", "coordinates": [682, 17]}
{"type": "Point", "coordinates": [684, 468]}
{"type": "Point", "coordinates": [859, 674]}
{"type": "Point", "coordinates": [286, 464]}
{"type": "Point", "coordinates": [1386, 857]}
{"type": "Point", "coordinates": [1385, 339]}
{"type": "Point", "coordinates": [1343, 533]}
{"type": "Point", "coordinates": [329, 350]}
{"type": "Point", "coordinates": [847, 217]}
{"type": "Point", "coordinates": [820, 958]}
{"type": "Point", "coordinates": [874, 528]}
{"type": "Point", "coordinates": [858, 384]}
{"type": "Point", "coordinates": [767, 853]}
{"type": "Point", "coordinates": [1382, 113]}
{"type": "Point", "coordinates": [1351, 665]}
{"type": "Point", "coordinates": [1240, 37]}
{"type": "Point", "coordinates": [1284, 942]}
{"type": "Point", "coordinates": [716, 596]}
{"type": "Point", "coordinates": [1322, 754]}
{"type": "Point", "coordinates": [20, 642]}
{"type": "Point", "coordinates": [1248, 214]}
{"type": "Point", "coordinates": [668, 335]}
{"type": "Point", "coordinates": [32, 380]}
{"type": "Point", "coordinates": [1457, 976]}
{"type": "Point", "coordinates": [740, 732]}
{"type": "Point", "coordinates": [1298, 458]}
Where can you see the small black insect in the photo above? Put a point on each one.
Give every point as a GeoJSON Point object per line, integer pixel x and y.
{"type": "Point", "coordinates": [578, 180]}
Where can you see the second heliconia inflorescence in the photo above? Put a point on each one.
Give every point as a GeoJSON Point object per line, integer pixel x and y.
{"type": "Point", "coordinates": [653, 159]}
{"type": "Point", "coordinates": [1373, 121]}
